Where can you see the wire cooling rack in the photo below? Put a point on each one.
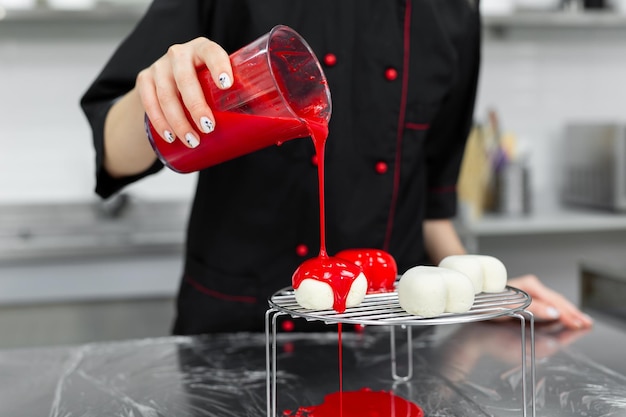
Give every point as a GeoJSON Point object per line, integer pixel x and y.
{"type": "Point", "coordinates": [384, 309]}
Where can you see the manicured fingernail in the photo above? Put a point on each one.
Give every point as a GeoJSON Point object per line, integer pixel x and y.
{"type": "Point", "coordinates": [192, 140]}
{"type": "Point", "coordinates": [552, 312]}
{"type": "Point", "coordinates": [224, 80]}
{"type": "Point", "coordinates": [207, 125]}
{"type": "Point", "coordinates": [168, 136]}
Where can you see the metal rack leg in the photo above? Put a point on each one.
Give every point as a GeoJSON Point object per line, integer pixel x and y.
{"type": "Point", "coordinates": [394, 371]}
{"type": "Point", "coordinates": [533, 375]}
{"type": "Point", "coordinates": [523, 316]}
{"type": "Point", "coordinates": [270, 360]}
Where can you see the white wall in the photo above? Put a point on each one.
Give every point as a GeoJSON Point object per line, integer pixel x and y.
{"type": "Point", "coordinates": [45, 141]}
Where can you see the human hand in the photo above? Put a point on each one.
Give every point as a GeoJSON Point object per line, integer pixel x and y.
{"type": "Point", "coordinates": [170, 85]}
{"type": "Point", "coordinates": [549, 305]}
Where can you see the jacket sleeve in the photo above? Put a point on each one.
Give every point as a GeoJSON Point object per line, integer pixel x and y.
{"type": "Point", "coordinates": [166, 22]}
{"type": "Point", "coordinates": [450, 128]}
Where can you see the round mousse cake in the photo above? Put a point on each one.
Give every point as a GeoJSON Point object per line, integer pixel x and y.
{"type": "Point", "coordinates": [429, 291]}
{"type": "Point", "coordinates": [488, 273]}
{"type": "Point", "coordinates": [422, 291]}
{"type": "Point", "coordinates": [324, 282]}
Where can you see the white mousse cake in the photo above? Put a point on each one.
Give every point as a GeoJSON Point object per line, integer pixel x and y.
{"type": "Point", "coordinates": [488, 270]}
{"type": "Point", "coordinates": [429, 291]}
{"type": "Point", "coordinates": [422, 291]}
{"type": "Point", "coordinates": [468, 265]}
{"type": "Point", "coordinates": [460, 297]}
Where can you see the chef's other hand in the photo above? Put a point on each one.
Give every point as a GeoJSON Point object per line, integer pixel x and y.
{"type": "Point", "coordinates": [170, 85]}
{"type": "Point", "coordinates": [548, 304]}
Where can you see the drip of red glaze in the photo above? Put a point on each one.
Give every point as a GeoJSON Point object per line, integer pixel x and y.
{"type": "Point", "coordinates": [340, 351]}
{"type": "Point", "coordinates": [362, 403]}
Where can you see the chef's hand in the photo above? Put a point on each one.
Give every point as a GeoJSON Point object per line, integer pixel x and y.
{"type": "Point", "coordinates": [170, 85]}
{"type": "Point", "coordinates": [548, 304]}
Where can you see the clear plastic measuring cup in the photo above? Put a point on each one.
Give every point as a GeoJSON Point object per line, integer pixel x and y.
{"type": "Point", "coordinates": [278, 90]}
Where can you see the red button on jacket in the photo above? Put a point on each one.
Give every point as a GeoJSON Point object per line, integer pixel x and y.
{"type": "Point", "coordinates": [302, 250]}
{"type": "Point", "coordinates": [288, 326]}
{"type": "Point", "coordinates": [381, 167]}
{"type": "Point", "coordinates": [330, 60]}
{"type": "Point", "coordinates": [391, 74]}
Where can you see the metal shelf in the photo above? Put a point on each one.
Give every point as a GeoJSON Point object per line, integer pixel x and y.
{"type": "Point", "coordinates": [40, 231]}
{"type": "Point", "coordinates": [102, 12]}
{"type": "Point", "coordinates": [556, 19]}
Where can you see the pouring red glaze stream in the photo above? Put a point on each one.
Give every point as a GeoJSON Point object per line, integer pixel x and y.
{"type": "Point", "coordinates": [340, 274]}
{"type": "Point", "coordinates": [336, 272]}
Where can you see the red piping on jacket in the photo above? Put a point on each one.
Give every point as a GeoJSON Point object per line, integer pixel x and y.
{"type": "Point", "coordinates": [215, 294]}
{"type": "Point", "coordinates": [416, 126]}
{"type": "Point", "coordinates": [401, 117]}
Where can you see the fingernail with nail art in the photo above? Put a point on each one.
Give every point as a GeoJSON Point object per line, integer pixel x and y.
{"type": "Point", "coordinates": [552, 313]}
{"type": "Point", "coordinates": [224, 80]}
{"type": "Point", "coordinates": [192, 140]}
{"type": "Point", "coordinates": [207, 125]}
{"type": "Point", "coordinates": [168, 136]}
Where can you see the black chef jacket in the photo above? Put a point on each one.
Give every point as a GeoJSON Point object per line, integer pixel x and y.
{"type": "Point", "coordinates": [402, 76]}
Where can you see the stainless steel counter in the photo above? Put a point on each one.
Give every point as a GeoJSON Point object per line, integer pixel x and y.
{"type": "Point", "coordinates": [459, 370]}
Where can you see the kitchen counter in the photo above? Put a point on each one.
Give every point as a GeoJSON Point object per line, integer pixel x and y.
{"type": "Point", "coordinates": [469, 370]}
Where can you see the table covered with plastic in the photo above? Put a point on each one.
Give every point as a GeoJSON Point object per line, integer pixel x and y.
{"type": "Point", "coordinates": [458, 370]}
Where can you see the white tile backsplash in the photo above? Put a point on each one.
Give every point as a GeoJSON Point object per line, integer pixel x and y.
{"type": "Point", "coordinates": [537, 78]}
{"type": "Point", "coordinates": [45, 146]}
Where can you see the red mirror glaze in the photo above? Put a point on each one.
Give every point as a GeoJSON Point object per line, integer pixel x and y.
{"type": "Point", "coordinates": [361, 403]}
{"type": "Point", "coordinates": [379, 267]}
{"type": "Point", "coordinates": [339, 273]}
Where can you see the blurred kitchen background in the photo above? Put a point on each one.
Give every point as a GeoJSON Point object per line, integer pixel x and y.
{"type": "Point", "coordinates": [543, 184]}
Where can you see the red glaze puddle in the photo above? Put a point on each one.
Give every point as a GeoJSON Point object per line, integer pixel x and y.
{"type": "Point", "coordinates": [362, 403]}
